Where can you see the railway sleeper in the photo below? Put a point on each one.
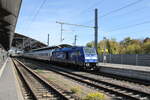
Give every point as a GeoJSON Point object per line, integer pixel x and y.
{"type": "Point", "coordinates": [101, 86]}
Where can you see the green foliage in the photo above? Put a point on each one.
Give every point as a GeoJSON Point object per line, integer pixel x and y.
{"type": "Point", "coordinates": [133, 49]}
{"type": "Point", "coordinates": [90, 44]}
{"type": "Point", "coordinates": [146, 47]}
{"type": "Point", "coordinates": [76, 89]}
{"type": "Point", "coordinates": [101, 45]}
{"type": "Point", "coordinates": [39, 71]}
{"type": "Point", "coordinates": [126, 41]}
{"type": "Point", "coordinates": [133, 46]}
{"type": "Point", "coordinates": [113, 47]}
{"type": "Point", "coordinates": [95, 96]}
{"type": "Point", "coordinates": [126, 46]}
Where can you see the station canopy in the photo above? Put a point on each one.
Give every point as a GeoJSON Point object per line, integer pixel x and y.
{"type": "Point", "coordinates": [52, 47]}
{"type": "Point", "coordinates": [9, 11]}
{"type": "Point", "coordinates": [26, 43]}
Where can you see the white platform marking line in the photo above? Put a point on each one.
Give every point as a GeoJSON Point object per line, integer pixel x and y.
{"type": "Point", "coordinates": [18, 88]}
{"type": "Point", "coordinates": [2, 69]}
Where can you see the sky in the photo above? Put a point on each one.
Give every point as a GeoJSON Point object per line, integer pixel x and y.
{"type": "Point", "coordinates": [117, 19]}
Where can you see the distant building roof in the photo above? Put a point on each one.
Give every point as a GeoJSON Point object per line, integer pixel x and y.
{"type": "Point", "coordinates": [26, 43]}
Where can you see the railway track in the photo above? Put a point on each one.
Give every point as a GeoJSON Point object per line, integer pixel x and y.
{"type": "Point", "coordinates": [116, 77]}
{"type": "Point", "coordinates": [38, 88]}
{"type": "Point", "coordinates": [122, 78]}
{"type": "Point", "coordinates": [117, 91]}
{"type": "Point", "coordinates": [114, 90]}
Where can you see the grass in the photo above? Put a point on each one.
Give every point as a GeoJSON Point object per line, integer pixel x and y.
{"type": "Point", "coordinates": [76, 90]}
{"type": "Point", "coordinates": [95, 96]}
{"type": "Point", "coordinates": [39, 71]}
{"type": "Point", "coordinates": [51, 78]}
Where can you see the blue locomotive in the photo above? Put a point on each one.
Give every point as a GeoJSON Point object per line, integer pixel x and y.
{"type": "Point", "coordinates": [77, 56]}
{"type": "Point", "coordinates": [82, 57]}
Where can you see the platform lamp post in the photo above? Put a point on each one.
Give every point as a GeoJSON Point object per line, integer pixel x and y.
{"type": "Point", "coordinates": [48, 40]}
{"type": "Point", "coordinates": [104, 54]}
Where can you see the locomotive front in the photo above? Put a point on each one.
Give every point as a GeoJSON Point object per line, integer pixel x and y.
{"type": "Point", "coordinates": [90, 56]}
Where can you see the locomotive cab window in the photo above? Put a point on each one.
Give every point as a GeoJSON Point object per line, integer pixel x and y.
{"type": "Point", "coordinates": [89, 51]}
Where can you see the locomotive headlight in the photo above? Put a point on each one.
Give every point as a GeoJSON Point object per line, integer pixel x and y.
{"type": "Point", "coordinates": [94, 57]}
{"type": "Point", "coordinates": [87, 64]}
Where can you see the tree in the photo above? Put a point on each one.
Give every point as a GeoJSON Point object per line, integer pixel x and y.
{"type": "Point", "coordinates": [90, 44]}
{"type": "Point", "coordinates": [126, 46]}
{"type": "Point", "coordinates": [126, 41]}
{"type": "Point", "coordinates": [146, 40]}
{"type": "Point", "coordinates": [101, 46]}
{"type": "Point", "coordinates": [146, 47]}
{"type": "Point", "coordinates": [113, 46]}
{"type": "Point", "coordinates": [131, 46]}
{"type": "Point", "coordinates": [133, 49]}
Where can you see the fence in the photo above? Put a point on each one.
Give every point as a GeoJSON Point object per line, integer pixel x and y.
{"type": "Point", "coordinates": [141, 59]}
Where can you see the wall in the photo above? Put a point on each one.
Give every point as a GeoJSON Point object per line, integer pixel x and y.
{"type": "Point", "coordinates": [141, 60]}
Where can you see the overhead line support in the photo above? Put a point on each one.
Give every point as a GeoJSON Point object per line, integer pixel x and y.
{"type": "Point", "coordinates": [96, 29]}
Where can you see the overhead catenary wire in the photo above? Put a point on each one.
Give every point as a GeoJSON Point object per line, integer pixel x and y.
{"type": "Point", "coordinates": [38, 10]}
{"type": "Point", "coordinates": [106, 14]}
{"type": "Point", "coordinates": [117, 10]}
{"type": "Point", "coordinates": [92, 6]}
{"type": "Point", "coordinates": [135, 20]}
{"type": "Point", "coordinates": [130, 26]}
{"type": "Point", "coordinates": [74, 24]}
{"type": "Point", "coordinates": [121, 8]}
{"type": "Point", "coordinates": [132, 11]}
{"type": "Point", "coordinates": [36, 13]}
{"type": "Point", "coordinates": [89, 8]}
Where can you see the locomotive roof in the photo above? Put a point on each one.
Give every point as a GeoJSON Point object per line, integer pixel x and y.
{"type": "Point", "coordinates": [69, 48]}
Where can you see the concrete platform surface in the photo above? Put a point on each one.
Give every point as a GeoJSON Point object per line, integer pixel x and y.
{"type": "Point", "coordinates": [2, 61]}
{"type": "Point", "coordinates": [123, 66]}
{"type": "Point", "coordinates": [9, 86]}
{"type": "Point", "coordinates": [138, 72]}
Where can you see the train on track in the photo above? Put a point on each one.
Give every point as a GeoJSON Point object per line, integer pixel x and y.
{"type": "Point", "coordinates": [73, 56]}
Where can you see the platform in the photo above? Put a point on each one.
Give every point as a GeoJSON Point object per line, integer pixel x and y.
{"type": "Point", "coordinates": [139, 72]}
{"type": "Point", "coordinates": [1, 63]}
{"type": "Point", "coordinates": [9, 86]}
{"type": "Point", "coordinates": [2, 60]}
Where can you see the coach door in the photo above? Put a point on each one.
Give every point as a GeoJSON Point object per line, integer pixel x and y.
{"type": "Point", "coordinates": [67, 56]}
{"type": "Point", "coordinates": [77, 57]}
